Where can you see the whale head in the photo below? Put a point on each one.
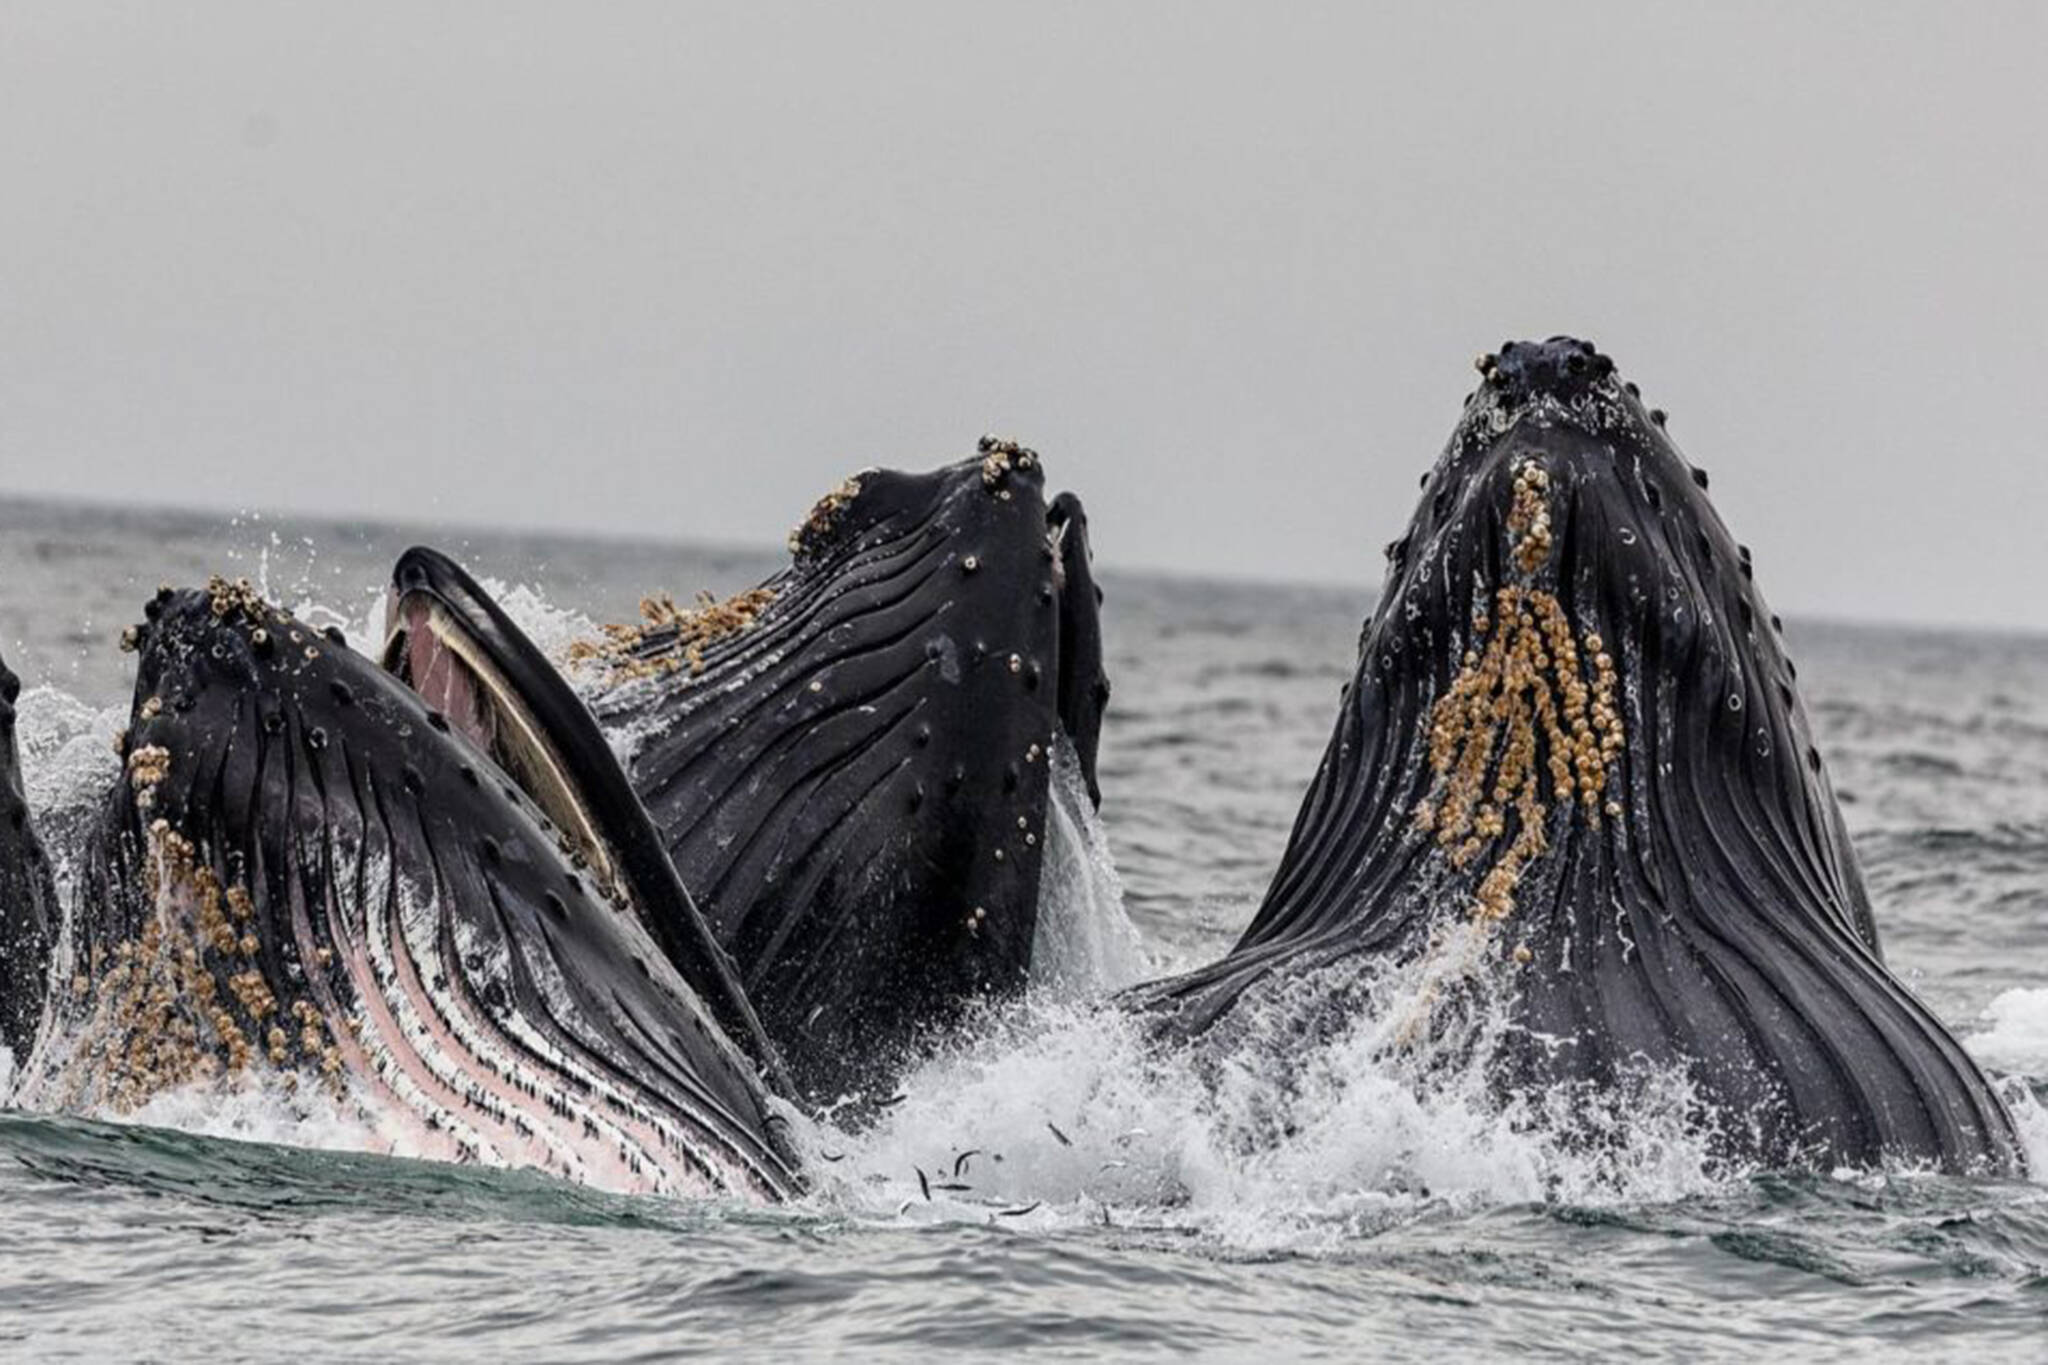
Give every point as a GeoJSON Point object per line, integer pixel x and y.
{"type": "Point", "coordinates": [307, 873]}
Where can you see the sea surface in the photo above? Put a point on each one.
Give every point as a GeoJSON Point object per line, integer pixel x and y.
{"type": "Point", "coordinates": [1116, 1205]}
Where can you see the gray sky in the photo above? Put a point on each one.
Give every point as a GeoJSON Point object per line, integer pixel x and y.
{"type": "Point", "coordinates": [675, 268]}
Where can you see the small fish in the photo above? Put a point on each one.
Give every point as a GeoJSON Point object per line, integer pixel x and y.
{"type": "Point", "coordinates": [832, 1156]}
{"type": "Point", "coordinates": [1113, 1165]}
{"type": "Point", "coordinates": [893, 1100]}
{"type": "Point", "coordinates": [960, 1161]}
{"type": "Point", "coordinates": [1065, 1141]}
{"type": "Point", "coordinates": [952, 1186]}
{"type": "Point", "coordinates": [923, 1183]}
{"type": "Point", "coordinates": [1019, 1213]}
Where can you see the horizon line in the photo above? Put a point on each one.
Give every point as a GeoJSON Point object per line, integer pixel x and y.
{"type": "Point", "coordinates": [85, 502]}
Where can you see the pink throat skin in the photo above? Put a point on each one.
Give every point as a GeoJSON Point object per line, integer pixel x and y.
{"type": "Point", "coordinates": [441, 678]}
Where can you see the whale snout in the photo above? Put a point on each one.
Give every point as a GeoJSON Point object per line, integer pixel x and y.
{"type": "Point", "coordinates": [1559, 475]}
{"type": "Point", "coordinates": [1562, 367]}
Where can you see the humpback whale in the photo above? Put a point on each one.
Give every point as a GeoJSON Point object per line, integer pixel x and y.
{"type": "Point", "coordinates": [310, 872]}
{"type": "Point", "coordinates": [849, 763]}
{"type": "Point", "coordinates": [1574, 737]}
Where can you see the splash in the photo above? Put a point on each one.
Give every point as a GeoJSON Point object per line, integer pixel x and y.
{"type": "Point", "coordinates": [2016, 1043]}
{"type": "Point", "coordinates": [2018, 1037]}
{"type": "Point", "coordinates": [2030, 1118]}
{"type": "Point", "coordinates": [68, 762]}
{"type": "Point", "coordinates": [1085, 943]}
{"type": "Point", "coordinates": [260, 1106]}
{"type": "Point", "coordinates": [553, 630]}
{"type": "Point", "coordinates": [1052, 1113]}
{"type": "Point", "coordinates": [1305, 1126]}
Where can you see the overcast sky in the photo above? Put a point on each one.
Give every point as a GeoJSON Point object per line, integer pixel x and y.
{"type": "Point", "coordinates": [674, 268]}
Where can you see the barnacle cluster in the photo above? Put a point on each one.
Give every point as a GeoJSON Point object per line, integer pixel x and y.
{"type": "Point", "coordinates": [1530, 719]}
{"type": "Point", "coordinates": [1529, 517]}
{"type": "Point", "coordinates": [817, 524]}
{"type": "Point", "coordinates": [238, 598]}
{"type": "Point", "coordinates": [185, 999]}
{"type": "Point", "coordinates": [669, 637]}
{"type": "Point", "coordinates": [148, 766]}
{"type": "Point", "coordinates": [999, 457]}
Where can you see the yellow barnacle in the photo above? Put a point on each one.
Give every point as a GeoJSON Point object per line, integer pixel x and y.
{"type": "Point", "coordinates": [669, 637]}
{"type": "Point", "coordinates": [1520, 719]}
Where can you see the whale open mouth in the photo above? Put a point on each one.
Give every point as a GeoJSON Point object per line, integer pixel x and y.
{"type": "Point", "coordinates": [440, 655]}
{"type": "Point", "coordinates": [450, 642]}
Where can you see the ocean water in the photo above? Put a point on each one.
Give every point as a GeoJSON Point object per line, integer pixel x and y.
{"type": "Point", "coordinates": [1114, 1202]}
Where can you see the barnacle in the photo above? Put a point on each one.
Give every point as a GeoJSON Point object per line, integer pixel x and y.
{"type": "Point", "coordinates": [238, 598]}
{"type": "Point", "coordinates": [1529, 517]}
{"type": "Point", "coordinates": [1529, 719]}
{"type": "Point", "coordinates": [182, 998]}
{"type": "Point", "coordinates": [668, 636]}
{"type": "Point", "coordinates": [999, 457]}
{"type": "Point", "coordinates": [817, 524]}
{"type": "Point", "coordinates": [148, 766]}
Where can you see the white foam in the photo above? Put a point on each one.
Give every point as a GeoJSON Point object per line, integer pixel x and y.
{"type": "Point", "coordinates": [2016, 1043]}
{"type": "Point", "coordinates": [551, 628]}
{"type": "Point", "coordinates": [2030, 1117]}
{"type": "Point", "coordinates": [1282, 1137]}
{"type": "Point", "coordinates": [258, 1107]}
{"type": "Point", "coordinates": [68, 763]}
{"type": "Point", "coordinates": [2017, 1040]}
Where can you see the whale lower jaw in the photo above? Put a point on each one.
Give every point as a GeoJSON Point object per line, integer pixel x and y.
{"type": "Point", "coordinates": [499, 1087]}
{"type": "Point", "coordinates": [443, 1045]}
